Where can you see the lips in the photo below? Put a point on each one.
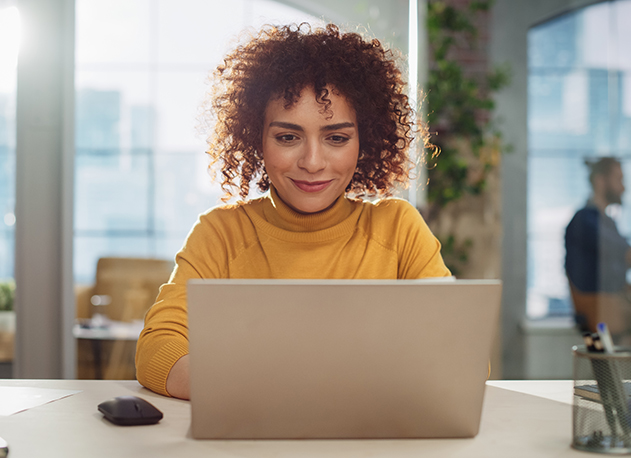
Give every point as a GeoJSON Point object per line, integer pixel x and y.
{"type": "Point", "coordinates": [312, 186]}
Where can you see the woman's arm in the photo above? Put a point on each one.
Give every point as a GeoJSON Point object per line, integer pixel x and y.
{"type": "Point", "coordinates": [418, 249]}
{"type": "Point", "coordinates": [178, 381]}
{"type": "Point", "coordinates": [161, 361]}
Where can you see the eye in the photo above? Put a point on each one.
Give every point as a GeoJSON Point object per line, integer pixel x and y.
{"type": "Point", "coordinates": [338, 139]}
{"type": "Point", "coordinates": [286, 138]}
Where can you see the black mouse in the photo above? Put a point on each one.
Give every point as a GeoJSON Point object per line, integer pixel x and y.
{"type": "Point", "coordinates": [130, 410]}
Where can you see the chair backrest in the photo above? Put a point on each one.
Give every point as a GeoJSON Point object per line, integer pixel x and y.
{"type": "Point", "coordinates": [131, 283]}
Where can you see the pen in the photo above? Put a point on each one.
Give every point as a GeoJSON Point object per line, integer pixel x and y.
{"type": "Point", "coordinates": [605, 337]}
{"type": "Point", "coordinates": [610, 385]}
{"type": "Point", "coordinates": [589, 341]}
{"type": "Point", "coordinates": [597, 344]}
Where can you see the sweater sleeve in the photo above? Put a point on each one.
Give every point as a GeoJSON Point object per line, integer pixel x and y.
{"type": "Point", "coordinates": [164, 339]}
{"type": "Point", "coordinates": [418, 249]}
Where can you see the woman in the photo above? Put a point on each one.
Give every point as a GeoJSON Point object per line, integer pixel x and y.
{"type": "Point", "coordinates": [314, 117]}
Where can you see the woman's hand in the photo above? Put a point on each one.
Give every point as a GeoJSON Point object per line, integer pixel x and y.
{"type": "Point", "coordinates": [178, 380]}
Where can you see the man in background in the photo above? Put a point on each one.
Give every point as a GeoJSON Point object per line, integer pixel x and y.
{"type": "Point", "coordinates": [597, 256]}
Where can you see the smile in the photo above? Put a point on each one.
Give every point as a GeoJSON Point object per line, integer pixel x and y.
{"type": "Point", "coordinates": [312, 186]}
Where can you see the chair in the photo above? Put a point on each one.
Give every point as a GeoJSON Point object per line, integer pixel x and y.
{"type": "Point", "coordinates": [130, 286]}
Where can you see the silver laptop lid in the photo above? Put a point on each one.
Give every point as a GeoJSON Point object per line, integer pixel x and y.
{"type": "Point", "coordinates": [339, 358]}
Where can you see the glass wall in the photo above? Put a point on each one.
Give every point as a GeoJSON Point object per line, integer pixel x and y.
{"type": "Point", "coordinates": [579, 108]}
{"type": "Point", "coordinates": [9, 42]}
{"type": "Point", "coordinates": [141, 68]}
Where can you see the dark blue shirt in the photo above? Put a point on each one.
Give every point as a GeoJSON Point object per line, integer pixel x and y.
{"type": "Point", "coordinates": [595, 252]}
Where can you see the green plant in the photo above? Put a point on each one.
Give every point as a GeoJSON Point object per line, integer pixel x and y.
{"type": "Point", "coordinates": [7, 295]}
{"type": "Point", "coordinates": [455, 253]}
{"type": "Point", "coordinates": [460, 108]}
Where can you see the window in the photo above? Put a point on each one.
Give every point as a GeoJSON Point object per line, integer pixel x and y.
{"type": "Point", "coordinates": [579, 107]}
{"type": "Point", "coordinates": [9, 40]}
{"type": "Point", "coordinates": [141, 67]}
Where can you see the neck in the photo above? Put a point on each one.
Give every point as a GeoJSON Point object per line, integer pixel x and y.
{"type": "Point", "coordinates": [287, 218]}
{"type": "Point", "coordinates": [600, 202]}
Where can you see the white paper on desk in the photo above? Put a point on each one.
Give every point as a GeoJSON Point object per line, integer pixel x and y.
{"type": "Point", "coordinates": [15, 399]}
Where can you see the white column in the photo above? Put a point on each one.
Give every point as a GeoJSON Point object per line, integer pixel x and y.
{"type": "Point", "coordinates": [44, 179]}
{"type": "Point", "coordinates": [418, 62]}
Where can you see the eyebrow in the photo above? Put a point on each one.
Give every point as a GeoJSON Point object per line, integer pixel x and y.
{"type": "Point", "coordinates": [328, 127]}
{"type": "Point", "coordinates": [339, 125]}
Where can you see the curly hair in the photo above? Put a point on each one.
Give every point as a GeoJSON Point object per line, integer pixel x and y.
{"type": "Point", "coordinates": [280, 62]}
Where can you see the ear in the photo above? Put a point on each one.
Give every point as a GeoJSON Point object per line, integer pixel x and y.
{"type": "Point", "coordinates": [599, 183]}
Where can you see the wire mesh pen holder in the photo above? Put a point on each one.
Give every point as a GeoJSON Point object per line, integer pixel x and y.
{"type": "Point", "coordinates": [601, 417]}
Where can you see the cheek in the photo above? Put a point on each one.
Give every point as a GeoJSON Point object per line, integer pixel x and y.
{"type": "Point", "coordinates": [272, 161]}
{"type": "Point", "coordinates": [350, 161]}
{"type": "Point", "coordinates": [275, 160]}
{"type": "Point", "coordinates": [268, 155]}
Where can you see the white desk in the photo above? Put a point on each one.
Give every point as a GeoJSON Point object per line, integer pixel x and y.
{"type": "Point", "coordinates": [520, 419]}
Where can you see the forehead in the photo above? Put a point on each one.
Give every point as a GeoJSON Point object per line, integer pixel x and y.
{"type": "Point", "coordinates": [616, 170]}
{"type": "Point", "coordinates": [307, 105]}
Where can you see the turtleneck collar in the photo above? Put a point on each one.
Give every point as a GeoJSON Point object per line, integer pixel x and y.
{"type": "Point", "coordinates": [282, 216]}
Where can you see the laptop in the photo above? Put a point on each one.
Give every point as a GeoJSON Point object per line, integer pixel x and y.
{"type": "Point", "coordinates": [307, 359]}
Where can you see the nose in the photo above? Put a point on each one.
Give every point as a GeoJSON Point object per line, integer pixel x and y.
{"type": "Point", "coordinates": [312, 158]}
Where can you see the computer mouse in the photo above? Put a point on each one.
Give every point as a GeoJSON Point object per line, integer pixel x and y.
{"type": "Point", "coordinates": [130, 410]}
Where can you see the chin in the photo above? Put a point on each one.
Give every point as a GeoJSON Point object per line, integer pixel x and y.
{"type": "Point", "coordinates": [312, 207]}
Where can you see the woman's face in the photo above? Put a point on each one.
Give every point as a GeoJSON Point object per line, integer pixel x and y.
{"type": "Point", "coordinates": [310, 156]}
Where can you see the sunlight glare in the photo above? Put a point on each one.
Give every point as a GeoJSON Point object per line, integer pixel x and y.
{"type": "Point", "coordinates": [9, 45]}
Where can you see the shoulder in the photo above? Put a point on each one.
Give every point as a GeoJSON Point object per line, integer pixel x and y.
{"type": "Point", "coordinates": [219, 235]}
{"type": "Point", "coordinates": [229, 213]}
{"type": "Point", "coordinates": [397, 225]}
{"type": "Point", "coordinates": [223, 223]}
{"type": "Point", "coordinates": [398, 205]}
{"type": "Point", "coordinates": [392, 209]}
{"type": "Point", "coordinates": [587, 212]}
{"type": "Point", "coordinates": [391, 218]}
{"type": "Point", "coordinates": [583, 228]}
{"type": "Point", "coordinates": [585, 216]}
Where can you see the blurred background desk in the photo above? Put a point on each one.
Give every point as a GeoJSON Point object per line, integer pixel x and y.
{"type": "Point", "coordinates": [520, 419]}
{"type": "Point", "coordinates": [7, 342]}
{"type": "Point", "coordinates": [113, 346]}
{"type": "Point", "coordinates": [123, 291]}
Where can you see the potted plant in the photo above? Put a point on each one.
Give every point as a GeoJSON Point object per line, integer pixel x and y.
{"type": "Point", "coordinates": [7, 299]}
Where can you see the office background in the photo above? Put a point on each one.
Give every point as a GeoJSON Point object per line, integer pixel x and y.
{"type": "Point", "coordinates": [94, 124]}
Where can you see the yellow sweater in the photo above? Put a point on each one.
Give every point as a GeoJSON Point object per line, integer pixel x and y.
{"type": "Point", "coordinates": [263, 238]}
